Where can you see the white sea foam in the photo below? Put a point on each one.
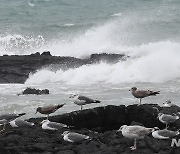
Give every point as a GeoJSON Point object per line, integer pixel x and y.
{"type": "Point", "coordinates": [117, 14]}
{"type": "Point", "coordinates": [19, 44]}
{"type": "Point", "coordinates": [154, 62]}
{"type": "Point", "coordinates": [31, 3]}
{"type": "Point", "coordinates": [68, 24]}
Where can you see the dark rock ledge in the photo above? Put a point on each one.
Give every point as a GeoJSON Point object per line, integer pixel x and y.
{"type": "Point", "coordinates": [34, 91]}
{"type": "Point", "coordinates": [16, 69]}
{"type": "Point", "coordinates": [100, 124]}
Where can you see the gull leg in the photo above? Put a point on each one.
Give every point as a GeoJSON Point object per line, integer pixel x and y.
{"type": "Point", "coordinates": [48, 117]}
{"type": "Point", "coordinates": [139, 102]}
{"type": "Point", "coordinates": [167, 126]}
{"type": "Point", "coordinates": [81, 107]}
{"type": "Point", "coordinates": [134, 147]}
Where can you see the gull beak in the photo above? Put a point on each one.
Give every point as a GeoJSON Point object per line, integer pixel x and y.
{"type": "Point", "coordinates": [158, 116]}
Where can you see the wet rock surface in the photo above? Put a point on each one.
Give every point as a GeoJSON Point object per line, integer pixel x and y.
{"type": "Point", "coordinates": [30, 90]}
{"type": "Point", "coordinates": [100, 124]}
{"type": "Point", "coordinates": [16, 69]}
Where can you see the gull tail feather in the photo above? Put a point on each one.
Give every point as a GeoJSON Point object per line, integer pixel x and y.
{"type": "Point", "coordinates": [155, 93]}
{"type": "Point", "coordinates": [96, 101]}
{"type": "Point", "coordinates": [21, 114]}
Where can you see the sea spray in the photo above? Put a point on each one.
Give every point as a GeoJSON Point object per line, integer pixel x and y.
{"type": "Point", "coordinates": [157, 62]}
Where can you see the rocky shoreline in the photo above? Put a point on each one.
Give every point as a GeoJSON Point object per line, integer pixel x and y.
{"type": "Point", "coordinates": [16, 69]}
{"type": "Point", "coordinates": [101, 124]}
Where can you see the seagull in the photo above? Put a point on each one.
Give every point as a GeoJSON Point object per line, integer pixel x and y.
{"type": "Point", "coordinates": [48, 109]}
{"type": "Point", "coordinates": [6, 118]}
{"type": "Point", "coordinates": [143, 93]}
{"type": "Point", "coordinates": [135, 132]}
{"type": "Point", "coordinates": [167, 118]}
{"type": "Point", "coordinates": [168, 103]}
{"type": "Point", "coordinates": [21, 123]}
{"type": "Point", "coordinates": [74, 137]}
{"type": "Point", "coordinates": [164, 134]}
{"type": "Point", "coordinates": [83, 100]}
{"type": "Point", "coordinates": [46, 124]}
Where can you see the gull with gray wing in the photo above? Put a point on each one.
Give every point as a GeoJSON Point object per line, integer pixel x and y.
{"type": "Point", "coordinates": [168, 103]}
{"type": "Point", "coordinates": [49, 125]}
{"type": "Point", "coordinates": [74, 137]}
{"type": "Point", "coordinates": [135, 132]}
{"type": "Point", "coordinates": [82, 100]}
{"type": "Point", "coordinates": [49, 109]}
{"type": "Point", "coordinates": [143, 93]}
{"type": "Point", "coordinates": [6, 118]}
{"type": "Point", "coordinates": [167, 118]}
{"type": "Point", "coordinates": [164, 134]}
{"type": "Point", "coordinates": [21, 123]}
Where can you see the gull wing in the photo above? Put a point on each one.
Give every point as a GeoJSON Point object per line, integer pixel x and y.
{"type": "Point", "coordinates": [167, 133]}
{"type": "Point", "coordinates": [85, 99]}
{"type": "Point", "coordinates": [56, 125]}
{"type": "Point", "coordinates": [139, 130]}
{"type": "Point", "coordinates": [75, 137]}
{"type": "Point", "coordinates": [168, 118]}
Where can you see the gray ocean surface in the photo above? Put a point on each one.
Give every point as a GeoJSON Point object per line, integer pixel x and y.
{"type": "Point", "coordinates": [146, 30]}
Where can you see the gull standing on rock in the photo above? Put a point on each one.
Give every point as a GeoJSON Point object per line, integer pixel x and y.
{"type": "Point", "coordinates": [48, 109]}
{"type": "Point", "coordinates": [164, 134]}
{"type": "Point", "coordinates": [82, 100]}
{"type": "Point", "coordinates": [74, 137]}
{"type": "Point", "coordinates": [135, 132]}
{"type": "Point", "coordinates": [49, 125]}
{"type": "Point", "coordinates": [21, 123]}
{"type": "Point", "coordinates": [143, 93]}
{"type": "Point", "coordinates": [6, 118]}
{"type": "Point", "coordinates": [167, 118]}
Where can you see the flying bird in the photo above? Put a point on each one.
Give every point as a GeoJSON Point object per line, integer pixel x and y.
{"type": "Point", "coordinates": [74, 137]}
{"type": "Point", "coordinates": [82, 100]}
{"type": "Point", "coordinates": [48, 109]}
{"type": "Point", "coordinates": [6, 118]}
{"type": "Point", "coordinates": [143, 93]}
{"type": "Point", "coordinates": [135, 132]}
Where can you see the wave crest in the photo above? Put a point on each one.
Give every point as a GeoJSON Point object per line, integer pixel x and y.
{"type": "Point", "coordinates": [154, 62]}
{"type": "Point", "coordinates": [18, 44]}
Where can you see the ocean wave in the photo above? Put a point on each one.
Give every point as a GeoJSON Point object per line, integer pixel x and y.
{"type": "Point", "coordinates": [155, 62]}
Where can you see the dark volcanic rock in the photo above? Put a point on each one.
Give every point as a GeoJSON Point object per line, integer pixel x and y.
{"type": "Point", "coordinates": [29, 90]}
{"type": "Point", "coordinates": [106, 141]}
{"type": "Point", "coordinates": [110, 58]}
{"type": "Point", "coordinates": [16, 69]}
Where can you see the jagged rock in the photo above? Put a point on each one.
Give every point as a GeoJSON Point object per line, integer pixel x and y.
{"type": "Point", "coordinates": [29, 90]}
{"type": "Point", "coordinates": [16, 69]}
{"type": "Point", "coordinates": [106, 141]}
{"type": "Point", "coordinates": [47, 53]}
{"type": "Point", "coordinates": [100, 119]}
{"type": "Point", "coordinates": [110, 58]}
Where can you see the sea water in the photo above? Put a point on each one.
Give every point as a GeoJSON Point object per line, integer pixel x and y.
{"type": "Point", "coordinates": [147, 31]}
